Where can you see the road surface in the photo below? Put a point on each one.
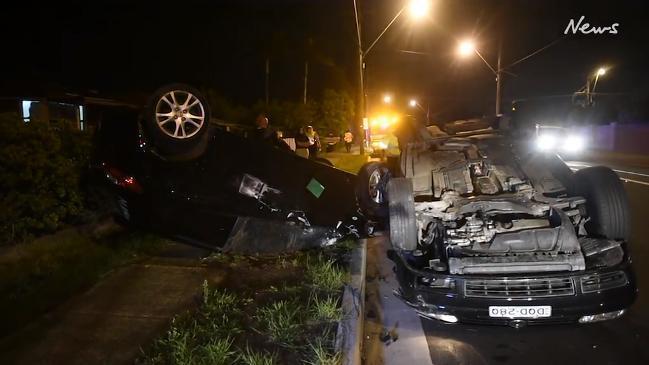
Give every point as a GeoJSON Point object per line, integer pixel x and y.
{"type": "Point", "coordinates": [623, 341]}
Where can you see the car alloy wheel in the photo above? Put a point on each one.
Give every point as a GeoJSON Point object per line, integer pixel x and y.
{"type": "Point", "coordinates": [180, 114]}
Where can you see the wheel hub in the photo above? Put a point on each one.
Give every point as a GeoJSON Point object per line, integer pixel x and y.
{"type": "Point", "coordinates": [184, 109]}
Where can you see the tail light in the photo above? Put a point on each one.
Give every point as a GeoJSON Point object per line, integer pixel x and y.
{"type": "Point", "coordinates": [121, 179]}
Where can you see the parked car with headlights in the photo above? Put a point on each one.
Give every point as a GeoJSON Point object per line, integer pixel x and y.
{"type": "Point", "coordinates": [559, 140]}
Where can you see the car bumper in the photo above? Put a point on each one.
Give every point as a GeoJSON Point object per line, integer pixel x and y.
{"type": "Point", "coordinates": [446, 298]}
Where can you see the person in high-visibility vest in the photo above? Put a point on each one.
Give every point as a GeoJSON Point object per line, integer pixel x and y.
{"type": "Point", "coordinates": [393, 145]}
{"type": "Point", "coordinates": [314, 142]}
{"type": "Point", "coordinates": [348, 137]}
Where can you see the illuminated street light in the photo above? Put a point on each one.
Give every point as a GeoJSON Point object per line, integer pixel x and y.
{"type": "Point", "coordinates": [415, 104]}
{"type": "Point", "coordinates": [466, 48]}
{"type": "Point", "coordinates": [418, 9]}
{"type": "Point", "coordinates": [590, 90]}
{"type": "Point", "coordinates": [387, 99]}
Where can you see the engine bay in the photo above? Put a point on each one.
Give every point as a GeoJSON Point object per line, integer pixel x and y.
{"type": "Point", "coordinates": [482, 207]}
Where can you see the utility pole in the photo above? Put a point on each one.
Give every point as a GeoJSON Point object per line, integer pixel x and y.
{"type": "Point", "coordinates": [417, 9]}
{"type": "Point", "coordinates": [306, 78]}
{"type": "Point", "coordinates": [267, 77]}
{"type": "Point", "coordinates": [499, 77]}
{"type": "Point", "coordinates": [360, 108]}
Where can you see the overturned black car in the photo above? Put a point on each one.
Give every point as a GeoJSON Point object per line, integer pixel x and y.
{"type": "Point", "coordinates": [485, 230]}
{"type": "Point", "coordinates": [174, 169]}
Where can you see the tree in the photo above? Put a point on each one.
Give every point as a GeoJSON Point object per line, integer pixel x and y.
{"type": "Point", "coordinates": [336, 111]}
{"type": "Point", "coordinates": [224, 109]}
{"type": "Point", "coordinates": [288, 115]}
{"type": "Point", "coordinates": [41, 170]}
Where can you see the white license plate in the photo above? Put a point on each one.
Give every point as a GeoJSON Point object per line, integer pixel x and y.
{"type": "Point", "coordinates": [527, 311]}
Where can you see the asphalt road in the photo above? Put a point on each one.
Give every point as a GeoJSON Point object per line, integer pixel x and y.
{"type": "Point", "coordinates": [622, 341]}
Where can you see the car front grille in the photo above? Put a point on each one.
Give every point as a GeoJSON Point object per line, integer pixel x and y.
{"type": "Point", "coordinates": [604, 281]}
{"type": "Point", "coordinates": [519, 288]}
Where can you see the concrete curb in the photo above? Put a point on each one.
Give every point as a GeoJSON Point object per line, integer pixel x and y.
{"type": "Point", "coordinates": [350, 329]}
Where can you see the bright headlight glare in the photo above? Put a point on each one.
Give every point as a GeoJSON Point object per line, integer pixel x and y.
{"type": "Point", "coordinates": [574, 143]}
{"type": "Point", "coordinates": [379, 145]}
{"type": "Point", "coordinates": [546, 142]}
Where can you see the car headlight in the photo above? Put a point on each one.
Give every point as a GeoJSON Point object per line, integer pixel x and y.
{"type": "Point", "coordinates": [546, 142]}
{"type": "Point", "coordinates": [574, 144]}
{"type": "Point", "coordinates": [554, 143]}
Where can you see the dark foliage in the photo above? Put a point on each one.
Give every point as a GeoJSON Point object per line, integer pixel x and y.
{"type": "Point", "coordinates": [41, 168]}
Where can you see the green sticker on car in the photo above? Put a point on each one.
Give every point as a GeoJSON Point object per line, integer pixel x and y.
{"type": "Point", "coordinates": [315, 188]}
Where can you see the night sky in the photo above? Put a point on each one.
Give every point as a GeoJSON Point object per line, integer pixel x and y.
{"type": "Point", "coordinates": [223, 45]}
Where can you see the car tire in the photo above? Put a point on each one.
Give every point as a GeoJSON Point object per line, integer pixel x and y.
{"type": "Point", "coordinates": [371, 189]}
{"type": "Point", "coordinates": [176, 120]}
{"type": "Point", "coordinates": [403, 223]}
{"type": "Point", "coordinates": [607, 204]}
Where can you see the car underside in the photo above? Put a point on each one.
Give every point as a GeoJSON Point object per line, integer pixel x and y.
{"type": "Point", "coordinates": [480, 223]}
{"type": "Point", "coordinates": [482, 214]}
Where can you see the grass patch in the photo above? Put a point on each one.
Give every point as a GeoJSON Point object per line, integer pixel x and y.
{"type": "Point", "coordinates": [281, 322]}
{"type": "Point", "coordinates": [216, 352]}
{"type": "Point", "coordinates": [205, 337]}
{"type": "Point", "coordinates": [321, 354]}
{"type": "Point", "coordinates": [270, 309]}
{"type": "Point", "coordinates": [37, 276]}
{"type": "Point", "coordinates": [325, 309]}
{"type": "Point", "coordinates": [251, 357]}
{"type": "Point", "coordinates": [346, 161]}
{"type": "Point", "coordinates": [325, 275]}
{"type": "Point", "coordinates": [182, 345]}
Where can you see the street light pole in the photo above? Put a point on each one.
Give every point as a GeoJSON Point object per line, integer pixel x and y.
{"type": "Point", "coordinates": [589, 91]}
{"type": "Point", "coordinates": [499, 78]}
{"type": "Point", "coordinates": [267, 73]}
{"type": "Point", "coordinates": [468, 47]}
{"type": "Point", "coordinates": [360, 108]}
{"type": "Point", "coordinates": [362, 55]}
{"type": "Point", "coordinates": [417, 8]}
{"type": "Point", "coordinates": [306, 79]}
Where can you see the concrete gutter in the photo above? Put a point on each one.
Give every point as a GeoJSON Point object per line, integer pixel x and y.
{"type": "Point", "coordinates": [411, 347]}
{"type": "Point", "coordinates": [350, 329]}
{"type": "Point", "coordinates": [393, 330]}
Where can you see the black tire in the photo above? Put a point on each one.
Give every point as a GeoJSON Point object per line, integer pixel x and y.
{"type": "Point", "coordinates": [372, 205]}
{"type": "Point", "coordinates": [607, 204]}
{"type": "Point", "coordinates": [403, 223]}
{"type": "Point", "coordinates": [191, 140]}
